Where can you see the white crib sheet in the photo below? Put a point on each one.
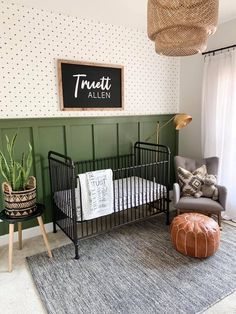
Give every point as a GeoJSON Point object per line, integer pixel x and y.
{"type": "Point", "coordinates": [136, 192]}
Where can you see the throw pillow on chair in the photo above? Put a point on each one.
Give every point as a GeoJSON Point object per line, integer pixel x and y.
{"type": "Point", "coordinates": [191, 183]}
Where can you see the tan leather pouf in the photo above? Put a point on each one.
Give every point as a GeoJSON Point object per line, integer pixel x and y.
{"type": "Point", "coordinates": [195, 235]}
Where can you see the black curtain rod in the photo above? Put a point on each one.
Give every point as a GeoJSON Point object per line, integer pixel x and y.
{"type": "Point", "coordinates": [213, 51]}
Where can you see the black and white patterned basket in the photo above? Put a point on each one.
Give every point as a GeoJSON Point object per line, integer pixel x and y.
{"type": "Point", "coordinates": [20, 203]}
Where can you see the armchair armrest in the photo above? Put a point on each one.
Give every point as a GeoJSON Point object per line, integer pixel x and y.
{"type": "Point", "coordinates": [222, 195]}
{"type": "Point", "coordinates": [176, 194]}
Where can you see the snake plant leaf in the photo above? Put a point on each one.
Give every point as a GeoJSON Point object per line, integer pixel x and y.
{"type": "Point", "coordinates": [13, 176]}
{"type": "Point", "coordinates": [10, 147]}
{"type": "Point", "coordinates": [18, 180]}
{"type": "Point", "coordinates": [29, 161]}
{"type": "Point", "coordinates": [8, 142]}
{"type": "Point", "coordinates": [4, 167]}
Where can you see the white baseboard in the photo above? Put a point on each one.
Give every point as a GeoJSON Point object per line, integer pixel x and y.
{"type": "Point", "coordinates": [26, 233]}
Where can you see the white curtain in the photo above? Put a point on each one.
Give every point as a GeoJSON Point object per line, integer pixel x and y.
{"type": "Point", "coordinates": [219, 120]}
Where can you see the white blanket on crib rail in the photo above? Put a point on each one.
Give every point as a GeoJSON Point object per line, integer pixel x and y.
{"type": "Point", "coordinates": [96, 193]}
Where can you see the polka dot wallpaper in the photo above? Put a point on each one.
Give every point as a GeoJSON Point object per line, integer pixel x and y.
{"type": "Point", "coordinates": [31, 41]}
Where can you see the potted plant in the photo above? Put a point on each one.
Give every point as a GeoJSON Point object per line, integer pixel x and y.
{"type": "Point", "coordinates": [19, 188]}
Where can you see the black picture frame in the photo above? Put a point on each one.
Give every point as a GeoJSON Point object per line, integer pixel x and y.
{"type": "Point", "coordinates": [90, 86]}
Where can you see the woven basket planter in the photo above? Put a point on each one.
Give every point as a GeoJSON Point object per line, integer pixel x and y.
{"type": "Point", "coordinates": [20, 203]}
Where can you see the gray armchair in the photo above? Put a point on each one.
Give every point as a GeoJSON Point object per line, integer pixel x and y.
{"type": "Point", "coordinates": [203, 204]}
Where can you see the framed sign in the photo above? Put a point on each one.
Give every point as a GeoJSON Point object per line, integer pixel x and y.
{"type": "Point", "coordinates": [90, 86]}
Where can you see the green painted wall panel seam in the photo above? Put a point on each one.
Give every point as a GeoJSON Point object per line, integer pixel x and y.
{"type": "Point", "coordinates": [37, 162]}
{"type": "Point", "coordinates": [67, 139]}
{"type": "Point", "coordinates": [117, 139]}
{"type": "Point", "coordinates": [93, 142]}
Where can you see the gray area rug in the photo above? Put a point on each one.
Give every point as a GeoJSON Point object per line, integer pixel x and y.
{"type": "Point", "coordinates": [134, 270]}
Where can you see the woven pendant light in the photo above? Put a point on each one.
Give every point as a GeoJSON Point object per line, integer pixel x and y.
{"type": "Point", "coordinates": [181, 27]}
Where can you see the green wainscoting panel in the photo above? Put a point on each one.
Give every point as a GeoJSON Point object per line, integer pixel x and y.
{"type": "Point", "coordinates": [148, 131]}
{"type": "Point", "coordinates": [128, 134]}
{"type": "Point", "coordinates": [80, 138]}
{"type": "Point", "coordinates": [82, 142]}
{"type": "Point", "coordinates": [166, 138]}
{"type": "Point", "coordinates": [50, 138]}
{"type": "Point", "coordinates": [105, 140]}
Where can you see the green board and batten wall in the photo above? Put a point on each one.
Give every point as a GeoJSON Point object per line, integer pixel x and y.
{"type": "Point", "coordinates": [80, 138]}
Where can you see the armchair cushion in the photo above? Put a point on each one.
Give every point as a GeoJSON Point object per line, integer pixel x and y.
{"type": "Point", "coordinates": [199, 204]}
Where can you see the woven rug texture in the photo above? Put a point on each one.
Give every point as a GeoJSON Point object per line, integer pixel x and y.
{"type": "Point", "coordinates": [134, 270]}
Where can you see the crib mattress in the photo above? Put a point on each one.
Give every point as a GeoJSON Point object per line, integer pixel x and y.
{"type": "Point", "coordinates": [128, 192]}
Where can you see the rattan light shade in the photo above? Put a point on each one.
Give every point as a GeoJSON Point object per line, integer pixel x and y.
{"type": "Point", "coordinates": [181, 27]}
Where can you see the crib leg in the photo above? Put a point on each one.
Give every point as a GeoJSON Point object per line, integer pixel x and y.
{"type": "Point", "coordinates": [76, 251]}
{"type": "Point", "coordinates": [167, 218]}
{"type": "Point", "coordinates": [54, 227]}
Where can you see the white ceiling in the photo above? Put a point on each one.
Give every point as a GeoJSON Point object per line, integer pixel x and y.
{"type": "Point", "coordinates": [130, 13]}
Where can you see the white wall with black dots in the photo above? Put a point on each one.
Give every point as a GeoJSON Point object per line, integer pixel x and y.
{"type": "Point", "coordinates": [31, 41]}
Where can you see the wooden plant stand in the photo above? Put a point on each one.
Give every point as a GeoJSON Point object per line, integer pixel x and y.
{"type": "Point", "coordinates": [11, 221]}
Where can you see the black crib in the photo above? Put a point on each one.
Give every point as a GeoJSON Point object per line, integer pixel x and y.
{"type": "Point", "coordinates": [140, 184]}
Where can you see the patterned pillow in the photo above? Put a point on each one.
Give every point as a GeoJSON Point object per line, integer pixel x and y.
{"type": "Point", "coordinates": [191, 183]}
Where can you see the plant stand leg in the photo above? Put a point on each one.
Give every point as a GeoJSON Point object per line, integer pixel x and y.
{"type": "Point", "coordinates": [20, 235]}
{"type": "Point", "coordinates": [41, 225]}
{"type": "Point", "coordinates": [11, 237]}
